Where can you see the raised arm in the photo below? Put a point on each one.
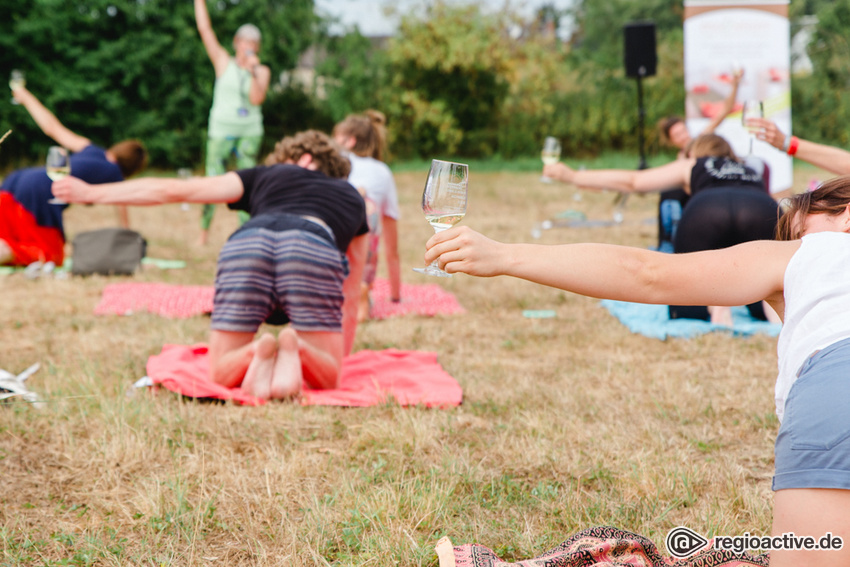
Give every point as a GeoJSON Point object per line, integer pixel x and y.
{"type": "Point", "coordinates": [48, 122]}
{"type": "Point", "coordinates": [217, 54]}
{"type": "Point", "coordinates": [225, 188]}
{"type": "Point", "coordinates": [728, 104]}
{"type": "Point", "coordinates": [830, 158]}
{"type": "Point", "coordinates": [673, 174]}
{"type": "Point", "coordinates": [739, 275]}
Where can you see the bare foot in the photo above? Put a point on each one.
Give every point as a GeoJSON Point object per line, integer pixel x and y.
{"type": "Point", "coordinates": [287, 377]}
{"type": "Point", "coordinates": [258, 378]}
{"type": "Point", "coordinates": [721, 315]}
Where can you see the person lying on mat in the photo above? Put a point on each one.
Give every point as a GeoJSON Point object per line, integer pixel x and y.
{"type": "Point", "coordinates": [804, 275]}
{"type": "Point", "coordinates": [728, 205]}
{"type": "Point", "coordinates": [31, 227]}
{"type": "Point", "coordinates": [287, 264]}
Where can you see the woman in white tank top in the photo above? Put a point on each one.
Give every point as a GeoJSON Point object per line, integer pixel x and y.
{"type": "Point", "coordinates": [805, 277]}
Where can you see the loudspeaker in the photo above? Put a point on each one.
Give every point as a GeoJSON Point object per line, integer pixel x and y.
{"type": "Point", "coordinates": [639, 51]}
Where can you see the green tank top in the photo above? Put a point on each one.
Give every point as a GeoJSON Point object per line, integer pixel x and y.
{"type": "Point", "coordinates": [232, 115]}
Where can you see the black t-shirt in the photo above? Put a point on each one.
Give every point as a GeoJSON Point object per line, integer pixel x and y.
{"type": "Point", "coordinates": [287, 189]}
{"type": "Point", "coordinates": [711, 172]}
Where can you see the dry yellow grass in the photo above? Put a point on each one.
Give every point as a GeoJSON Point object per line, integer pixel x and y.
{"type": "Point", "coordinates": [567, 423]}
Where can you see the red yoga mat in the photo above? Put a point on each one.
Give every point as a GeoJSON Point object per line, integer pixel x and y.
{"type": "Point", "coordinates": [368, 378]}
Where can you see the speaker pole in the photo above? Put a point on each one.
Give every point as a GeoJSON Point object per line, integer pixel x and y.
{"type": "Point", "coordinates": [641, 117]}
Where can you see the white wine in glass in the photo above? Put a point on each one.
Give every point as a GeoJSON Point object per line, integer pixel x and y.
{"type": "Point", "coordinates": [16, 81]}
{"type": "Point", "coordinates": [444, 202]}
{"type": "Point", "coordinates": [58, 166]}
{"type": "Point", "coordinates": [751, 109]}
{"type": "Point", "coordinates": [550, 154]}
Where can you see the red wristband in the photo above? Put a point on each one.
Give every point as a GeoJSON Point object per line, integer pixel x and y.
{"type": "Point", "coordinates": [792, 147]}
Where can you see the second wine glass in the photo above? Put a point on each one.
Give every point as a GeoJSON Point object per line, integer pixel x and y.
{"type": "Point", "coordinates": [444, 202]}
{"type": "Point", "coordinates": [57, 166]}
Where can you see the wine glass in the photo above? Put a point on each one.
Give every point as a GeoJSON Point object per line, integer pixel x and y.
{"type": "Point", "coordinates": [550, 154]}
{"type": "Point", "coordinates": [444, 202]}
{"type": "Point", "coordinates": [58, 166]}
{"type": "Point", "coordinates": [751, 109]}
{"type": "Point", "coordinates": [16, 81]}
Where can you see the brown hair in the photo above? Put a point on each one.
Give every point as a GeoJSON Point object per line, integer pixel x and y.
{"type": "Point", "coordinates": [369, 131]}
{"type": "Point", "coordinates": [712, 145]}
{"type": "Point", "coordinates": [131, 157]}
{"type": "Point", "coordinates": [664, 125]}
{"type": "Point", "coordinates": [832, 198]}
{"type": "Point", "coordinates": [324, 151]}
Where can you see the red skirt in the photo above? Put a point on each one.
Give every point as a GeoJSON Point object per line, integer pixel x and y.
{"type": "Point", "coordinates": [29, 241]}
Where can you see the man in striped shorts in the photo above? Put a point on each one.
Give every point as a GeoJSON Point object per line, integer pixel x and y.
{"type": "Point", "coordinates": [299, 260]}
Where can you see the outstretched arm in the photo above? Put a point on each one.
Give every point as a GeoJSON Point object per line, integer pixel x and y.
{"type": "Point", "coordinates": [48, 122]}
{"type": "Point", "coordinates": [225, 188]}
{"type": "Point", "coordinates": [728, 104]}
{"type": "Point", "coordinates": [217, 54]}
{"type": "Point", "coordinates": [673, 174]}
{"type": "Point", "coordinates": [830, 158]}
{"type": "Point", "coordinates": [739, 275]}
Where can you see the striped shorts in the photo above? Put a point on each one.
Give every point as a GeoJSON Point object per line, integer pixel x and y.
{"type": "Point", "coordinates": [279, 277]}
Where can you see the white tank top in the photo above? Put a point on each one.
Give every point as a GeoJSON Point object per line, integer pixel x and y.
{"type": "Point", "coordinates": [817, 305]}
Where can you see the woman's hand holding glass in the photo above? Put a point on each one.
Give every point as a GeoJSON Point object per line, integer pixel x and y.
{"type": "Point", "coordinates": [444, 201]}
{"type": "Point", "coordinates": [58, 166]}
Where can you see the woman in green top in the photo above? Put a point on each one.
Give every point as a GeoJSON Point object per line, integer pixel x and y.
{"type": "Point", "coordinates": [236, 119]}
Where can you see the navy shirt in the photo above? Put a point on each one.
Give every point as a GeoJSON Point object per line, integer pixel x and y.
{"type": "Point", "coordinates": [31, 187]}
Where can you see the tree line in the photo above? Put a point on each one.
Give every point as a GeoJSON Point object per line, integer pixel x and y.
{"type": "Point", "coordinates": [456, 80]}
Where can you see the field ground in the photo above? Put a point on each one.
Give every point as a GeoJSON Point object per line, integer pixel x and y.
{"type": "Point", "coordinates": [567, 423]}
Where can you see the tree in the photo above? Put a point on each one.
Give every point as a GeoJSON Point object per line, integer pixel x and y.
{"type": "Point", "coordinates": [113, 69]}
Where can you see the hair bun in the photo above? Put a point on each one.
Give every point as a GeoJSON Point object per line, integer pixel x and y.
{"type": "Point", "coordinates": [376, 116]}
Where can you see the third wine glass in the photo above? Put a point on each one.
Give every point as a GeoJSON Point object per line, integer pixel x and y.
{"type": "Point", "coordinates": [751, 109]}
{"type": "Point", "coordinates": [550, 154]}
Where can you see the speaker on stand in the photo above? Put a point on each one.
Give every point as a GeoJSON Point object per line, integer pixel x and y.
{"type": "Point", "coordinates": [640, 57]}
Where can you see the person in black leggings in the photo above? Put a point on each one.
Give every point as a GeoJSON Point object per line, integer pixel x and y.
{"type": "Point", "coordinates": [728, 203]}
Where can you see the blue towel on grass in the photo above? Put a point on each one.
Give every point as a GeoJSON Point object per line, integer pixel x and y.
{"type": "Point", "coordinates": [653, 321]}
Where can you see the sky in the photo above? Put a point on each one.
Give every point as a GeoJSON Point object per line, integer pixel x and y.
{"type": "Point", "coordinates": [369, 15]}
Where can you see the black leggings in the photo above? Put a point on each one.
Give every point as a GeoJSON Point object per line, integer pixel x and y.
{"type": "Point", "coordinates": [718, 218]}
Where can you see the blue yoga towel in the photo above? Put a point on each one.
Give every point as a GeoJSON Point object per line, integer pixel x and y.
{"type": "Point", "coordinates": [653, 321]}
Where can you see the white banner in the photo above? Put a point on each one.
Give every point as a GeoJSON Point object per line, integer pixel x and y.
{"type": "Point", "coordinates": [753, 36]}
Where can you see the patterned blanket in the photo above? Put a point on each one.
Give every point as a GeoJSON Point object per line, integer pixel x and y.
{"type": "Point", "coordinates": [596, 547]}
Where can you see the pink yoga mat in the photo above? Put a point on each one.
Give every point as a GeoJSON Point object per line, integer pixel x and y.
{"type": "Point", "coordinates": [166, 300]}
{"type": "Point", "coordinates": [368, 378]}
{"type": "Point", "coordinates": [179, 301]}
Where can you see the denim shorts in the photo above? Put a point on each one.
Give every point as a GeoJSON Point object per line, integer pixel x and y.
{"type": "Point", "coordinates": [813, 445]}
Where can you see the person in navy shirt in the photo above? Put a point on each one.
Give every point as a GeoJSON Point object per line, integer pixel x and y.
{"type": "Point", "coordinates": [31, 228]}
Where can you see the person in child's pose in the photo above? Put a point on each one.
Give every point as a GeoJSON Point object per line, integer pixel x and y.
{"type": "Point", "coordinates": [728, 204]}
{"type": "Point", "coordinates": [805, 276]}
{"type": "Point", "coordinates": [364, 136]}
{"type": "Point", "coordinates": [286, 265]}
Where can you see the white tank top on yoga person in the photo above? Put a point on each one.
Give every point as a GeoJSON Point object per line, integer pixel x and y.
{"type": "Point", "coordinates": [817, 305]}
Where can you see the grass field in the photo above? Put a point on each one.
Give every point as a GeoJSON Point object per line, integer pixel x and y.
{"type": "Point", "coordinates": [567, 423]}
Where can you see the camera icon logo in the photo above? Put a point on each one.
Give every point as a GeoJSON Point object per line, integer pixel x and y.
{"type": "Point", "coordinates": [683, 542]}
